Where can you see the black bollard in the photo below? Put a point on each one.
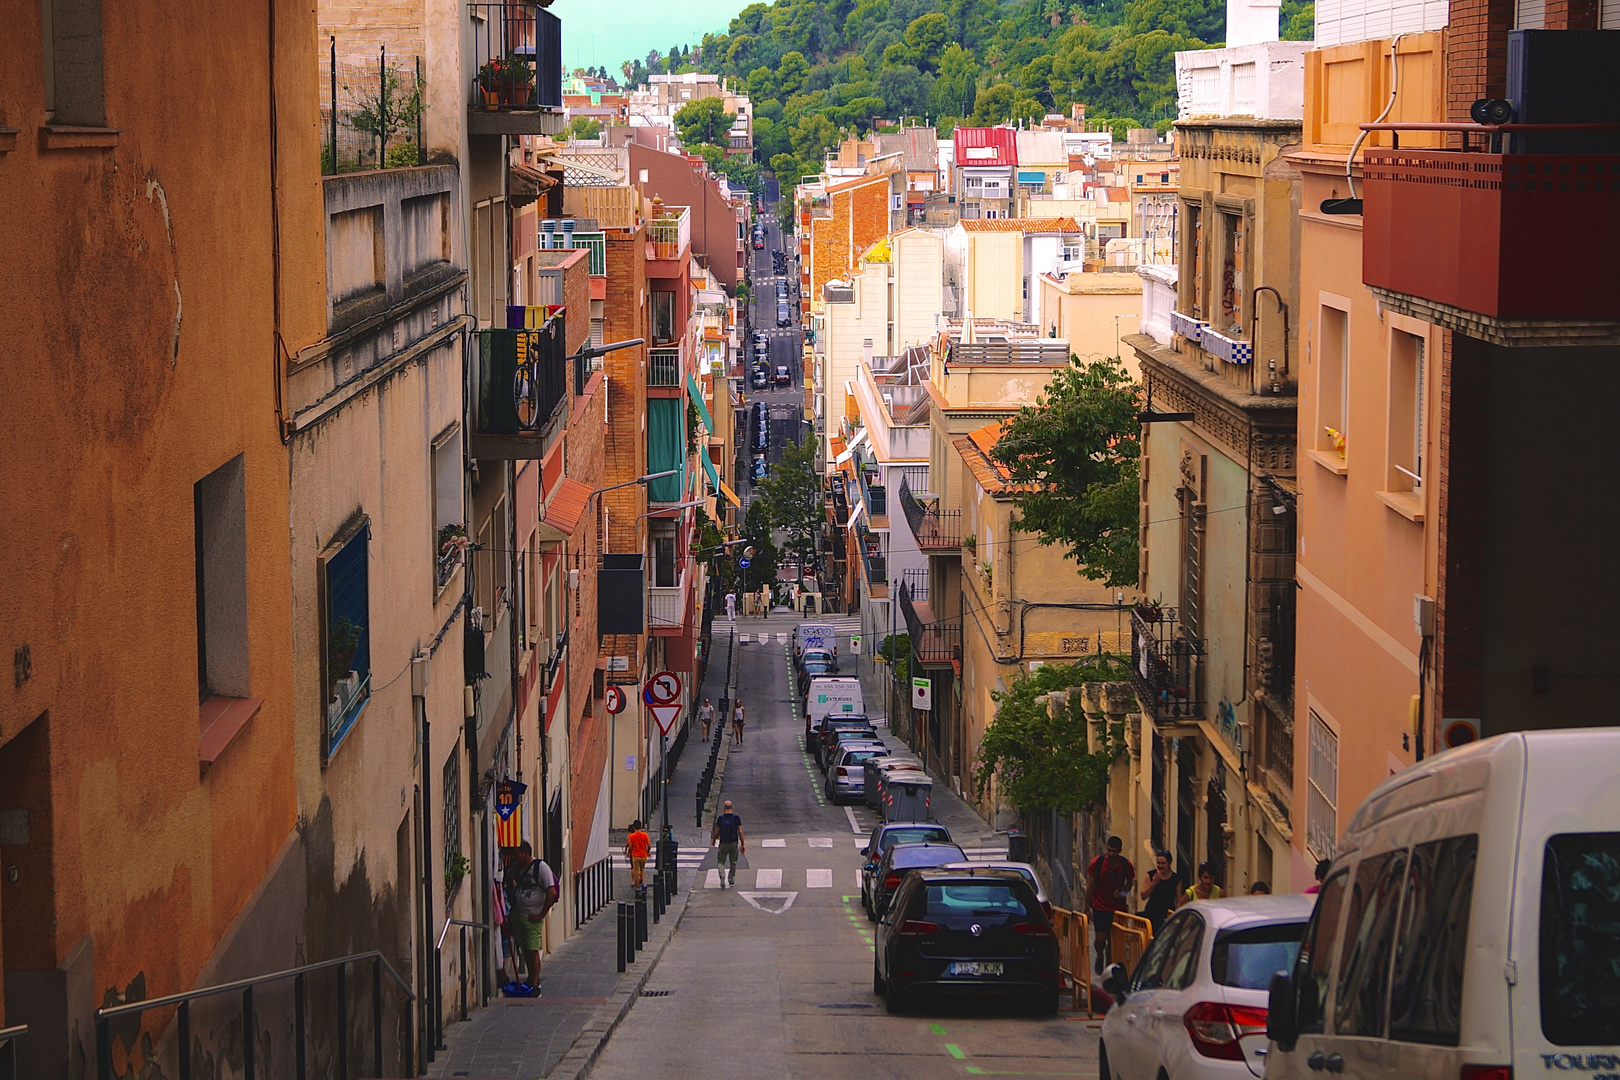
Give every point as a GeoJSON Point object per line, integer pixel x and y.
{"type": "Point", "coordinates": [623, 936]}
{"type": "Point", "coordinates": [641, 919]}
{"type": "Point", "coordinates": [658, 897]}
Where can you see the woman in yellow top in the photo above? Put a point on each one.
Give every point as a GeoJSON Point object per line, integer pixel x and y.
{"type": "Point", "coordinates": [1206, 889]}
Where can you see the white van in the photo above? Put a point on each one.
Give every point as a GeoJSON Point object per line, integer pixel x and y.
{"type": "Point", "coordinates": [814, 635]}
{"type": "Point", "coordinates": [840, 696]}
{"type": "Point", "coordinates": [1470, 926]}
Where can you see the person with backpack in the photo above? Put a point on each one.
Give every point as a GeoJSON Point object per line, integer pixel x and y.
{"type": "Point", "coordinates": [531, 890]}
{"type": "Point", "coordinates": [728, 837]}
{"type": "Point", "coordinates": [1112, 878]}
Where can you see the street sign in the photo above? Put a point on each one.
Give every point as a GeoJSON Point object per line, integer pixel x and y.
{"type": "Point", "coordinates": [922, 694]}
{"type": "Point", "coordinates": [662, 688]}
{"type": "Point", "coordinates": [855, 644]}
{"type": "Point", "coordinates": [745, 562]}
{"type": "Point", "coordinates": [615, 700]}
{"type": "Point", "coordinates": [666, 715]}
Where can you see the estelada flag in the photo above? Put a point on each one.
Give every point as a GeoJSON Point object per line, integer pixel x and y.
{"type": "Point", "coordinates": [509, 813]}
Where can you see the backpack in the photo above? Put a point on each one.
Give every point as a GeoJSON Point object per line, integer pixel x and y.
{"type": "Point", "coordinates": [729, 826]}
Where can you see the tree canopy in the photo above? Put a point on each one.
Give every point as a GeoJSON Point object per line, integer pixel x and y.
{"type": "Point", "coordinates": [704, 121]}
{"type": "Point", "coordinates": [1076, 453]}
{"type": "Point", "coordinates": [791, 493]}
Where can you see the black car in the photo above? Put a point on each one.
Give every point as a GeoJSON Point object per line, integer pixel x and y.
{"type": "Point", "coordinates": [760, 468]}
{"type": "Point", "coordinates": [830, 723]}
{"type": "Point", "coordinates": [955, 931]}
{"type": "Point", "coordinates": [884, 837]}
{"type": "Point", "coordinates": [783, 318]}
{"type": "Point", "coordinates": [900, 860]}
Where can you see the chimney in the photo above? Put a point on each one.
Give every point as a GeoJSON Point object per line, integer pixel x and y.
{"type": "Point", "coordinates": [568, 233]}
{"type": "Point", "coordinates": [548, 232]}
{"type": "Point", "coordinates": [866, 352]}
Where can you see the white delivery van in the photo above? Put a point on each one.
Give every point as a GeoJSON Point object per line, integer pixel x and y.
{"type": "Point", "coordinates": [814, 635]}
{"type": "Point", "coordinates": [1470, 926]}
{"type": "Point", "coordinates": [840, 696]}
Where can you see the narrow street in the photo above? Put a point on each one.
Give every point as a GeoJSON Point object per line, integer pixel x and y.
{"type": "Point", "coordinates": [774, 977]}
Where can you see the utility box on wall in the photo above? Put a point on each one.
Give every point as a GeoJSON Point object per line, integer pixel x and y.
{"type": "Point", "coordinates": [621, 590]}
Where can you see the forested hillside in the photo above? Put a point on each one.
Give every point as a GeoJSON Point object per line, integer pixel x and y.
{"type": "Point", "coordinates": [818, 68]}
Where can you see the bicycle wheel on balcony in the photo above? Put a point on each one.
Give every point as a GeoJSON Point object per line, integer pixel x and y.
{"type": "Point", "coordinates": [526, 397]}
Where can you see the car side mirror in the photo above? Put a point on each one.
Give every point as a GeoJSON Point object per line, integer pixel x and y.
{"type": "Point", "coordinates": [1114, 981]}
{"type": "Point", "coordinates": [867, 851]}
{"type": "Point", "coordinates": [1282, 1015]}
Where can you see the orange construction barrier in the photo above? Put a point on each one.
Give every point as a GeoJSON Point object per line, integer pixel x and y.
{"type": "Point", "coordinates": [1129, 939]}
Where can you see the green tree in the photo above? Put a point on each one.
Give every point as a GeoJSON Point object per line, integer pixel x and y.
{"type": "Point", "coordinates": [926, 37]}
{"type": "Point", "coordinates": [993, 105]}
{"type": "Point", "coordinates": [1075, 455]}
{"type": "Point", "coordinates": [791, 73]}
{"type": "Point", "coordinates": [957, 84]}
{"type": "Point", "coordinates": [762, 84]}
{"type": "Point", "coordinates": [704, 121]}
{"type": "Point", "coordinates": [1298, 20]}
{"type": "Point", "coordinates": [905, 90]}
{"type": "Point", "coordinates": [756, 529]}
{"type": "Point", "coordinates": [585, 127]}
{"type": "Point", "coordinates": [813, 136]}
{"type": "Point", "coordinates": [1041, 762]}
{"type": "Point", "coordinates": [792, 496]}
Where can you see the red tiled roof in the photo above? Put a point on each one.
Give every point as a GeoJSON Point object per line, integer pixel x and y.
{"type": "Point", "coordinates": [567, 505]}
{"type": "Point", "coordinates": [999, 139]}
{"type": "Point", "coordinates": [1020, 225]}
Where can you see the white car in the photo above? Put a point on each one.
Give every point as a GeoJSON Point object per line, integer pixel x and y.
{"type": "Point", "coordinates": [1195, 1007]}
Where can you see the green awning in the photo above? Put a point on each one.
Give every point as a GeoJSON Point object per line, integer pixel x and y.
{"type": "Point", "coordinates": [703, 408]}
{"type": "Point", "coordinates": [708, 467]}
{"type": "Point", "coordinates": [666, 449]}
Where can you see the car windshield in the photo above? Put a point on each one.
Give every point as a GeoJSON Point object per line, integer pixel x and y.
{"type": "Point", "coordinates": [1246, 959]}
{"type": "Point", "coordinates": [915, 835]}
{"type": "Point", "coordinates": [934, 853]}
{"type": "Point", "coordinates": [855, 757]}
{"type": "Point", "coordinates": [974, 899]}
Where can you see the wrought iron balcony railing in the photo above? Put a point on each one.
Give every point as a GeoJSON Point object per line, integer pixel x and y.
{"type": "Point", "coordinates": [934, 643]}
{"type": "Point", "coordinates": [1167, 666]}
{"type": "Point", "coordinates": [663, 367]}
{"type": "Point", "coordinates": [517, 58]}
{"type": "Point", "coordinates": [934, 529]}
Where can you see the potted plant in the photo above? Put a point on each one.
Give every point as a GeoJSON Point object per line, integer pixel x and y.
{"type": "Point", "coordinates": [517, 81]}
{"type": "Point", "coordinates": [454, 871]}
{"type": "Point", "coordinates": [1150, 611]}
{"type": "Point", "coordinates": [342, 642]}
{"type": "Point", "coordinates": [970, 541]}
{"type": "Point", "coordinates": [489, 83]}
{"type": "Point", "coordinates": [452, 537]}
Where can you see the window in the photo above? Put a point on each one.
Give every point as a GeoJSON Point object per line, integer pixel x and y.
{"type": "Point", "coordinates": [219, 508]}
{"type": "Point", "coordinates": [1406, 406]}
{"type": "Point", "coordinates": [663, 315]}
{"type": "Point", "coordinates": [1361, 998]}
{"type": "Point", "coordinates": [1333, 381]}
{"type": "Point", "coordinates": [1149, 973]}
{"type": "Point", "coordinates": [1193, 283]}
{"type": "Point", "coordinates": [897, 202]}
{"type": "Point", "coordinates": [1580, 906]}
{"type": "Point", "coordinates": [448, 513]}
{"type": "Point", "coordinates": [1432, 948]}
{"type": "Point", "coordinates": [1181, 962]}
{"type": "Point", "coordinates": [1321, 815]}
{"type": "Point", "coordinates": [345, 592]}
{"type": "Point", "coordinates": [1316, 953]}
{"type": "Point", "coordinates": [452, 822]}
{"type": "Point", "coordinates": [663, 555]}
{"type": "Point", "coordinates": [1192, 553]}
{"type": "Point", "coordinates": [1247, 959]}
{"type": "Point", "coordinates": [75, 93]}
{"type": "Point", "coordinates": [1232, 256]}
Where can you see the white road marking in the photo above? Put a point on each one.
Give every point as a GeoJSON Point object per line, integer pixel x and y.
{"type": "Point", "coordinates": [781, 638]}
{"type": "Point", "coordinates": [754, 898]}
{"type": "Point", "coordinates": [821, 841]}
{"type": "Point", "coordinates": [818, 879]}
{"type": "Point", "coordinates": [768, 878]}
{"type": "Point", "coordinates": [711, 880]}
{"type": "Point", "coordinates": [773, 843]}
{"type": "Point", "coordinates": [854, 826]}
{"type": "Point", "coordinates": [860, 842]}
{"type": "Point", "coordinates": [742, 639]}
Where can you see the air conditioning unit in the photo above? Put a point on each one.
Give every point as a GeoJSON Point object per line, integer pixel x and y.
{"type": "Point", "coordinates": [573, 581]}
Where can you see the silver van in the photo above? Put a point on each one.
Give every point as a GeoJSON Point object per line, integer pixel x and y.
{"type": "Point", "coordinates": [1469, 928]}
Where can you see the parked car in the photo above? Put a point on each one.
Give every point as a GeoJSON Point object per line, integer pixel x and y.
{"type": "Point", "coordinates": [1022, 868]}
{"type": "Point", "coordinates": [886, 836]}
{"type": "Point", "coordinates": [900, 860]}
{"type": "Point", "coordinates": [843, 738]}
{"type": "Point", "coordinates": [846, 777]}
{"type": "Point", "coordinates": [957, 931]}
{"type": "Point", "coordinates": [1195, 1007]}
{"type": "Point", "coordinates": [783, 376]}
{"type": "Point", "coordinates": [759, 470]}
{"type": "Point", "coordinates": [1502, 859]}
{"type": "Point", "coordinates": [761, 381]}
{"type": "Point", "coordinates": [824, 661]}
{"type": "Point", "coordinates": [783, 318]}
{"type": "Point", "coordinates": [822, 736]}
{"type": "Point", "coordinates": [836, 694]}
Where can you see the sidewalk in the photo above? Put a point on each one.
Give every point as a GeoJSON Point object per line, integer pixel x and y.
{"type": "Point", "coordinates": [559, 1034]}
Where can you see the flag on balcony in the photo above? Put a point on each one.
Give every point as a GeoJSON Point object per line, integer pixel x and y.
{"type": "Point", "coordinates": [509, 813]}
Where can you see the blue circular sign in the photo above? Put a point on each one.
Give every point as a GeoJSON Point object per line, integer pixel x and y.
{"type": "Point", "coordinates": [745, 563]}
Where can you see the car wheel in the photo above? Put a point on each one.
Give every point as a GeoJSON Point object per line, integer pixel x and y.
{"type": "Point", "coordinates": [1045, 1003]}
{"type": "Point", "coordinates": [880, 985]}
{"type": "Point", "coordinates": [1102, 1062]}
{"type": "Point", "coordinates": [896, 1002]}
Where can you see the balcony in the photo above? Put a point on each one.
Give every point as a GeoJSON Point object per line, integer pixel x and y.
{"type": "Point", "coordinates": [1167, 666]}
{"type": "Point", "coordinates": [663, 367]}
{"type": "Point", "coordinates": [1481, 242]}
{"type": "Point", "coordinates": [670, 232]}
{"type": "Point", "coordinates": [512, 416]}
{"type": "Point", "coordinates": [934, 529]}
{"type": "Point", "coordinates": [516, 87]}
{"type": "Point", "coordinates": [934, 643]}
{"type": "Point", "coordinates": [876, 567]}
{"type": "Point", "coordinates": [666, 606]}
{"type": "Point", "coordinates": [876, 497]}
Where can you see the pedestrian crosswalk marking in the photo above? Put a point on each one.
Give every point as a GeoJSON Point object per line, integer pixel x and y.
{"type": "Point", "coordinates": [818, 879]}
{"type": "Point", "coordinates": [860, 842]}
{"type": "Point", "coordinates": [712, 880]}
{"type": "Point", "coordinates": [742, 639]}
{"type": "Point", "coordinates": [821, 841]}
{"type": "Point", "coordinates": [768, 878]}
{"type": "Point", "coordinates": [773, 843]}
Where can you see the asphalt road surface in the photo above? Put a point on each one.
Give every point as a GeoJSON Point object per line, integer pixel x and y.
{"type": "Point", "coordinates": [774, 978]}
{"type": "Point", "coordinates": [786, 404]}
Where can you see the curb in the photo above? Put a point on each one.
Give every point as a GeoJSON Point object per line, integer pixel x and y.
{"type": "Point", "coordinates": [581, 1057]}
{"type": "Point", "coordinates": [711, 806]}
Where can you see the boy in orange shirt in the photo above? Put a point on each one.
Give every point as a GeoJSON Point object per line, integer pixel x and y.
{"type": "Point", "coordinates": [636, 847]}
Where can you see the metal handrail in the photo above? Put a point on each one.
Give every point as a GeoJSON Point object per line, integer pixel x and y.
{"type": "Point", "coordinates": [8, 1050]}
{"type": "Point", "coordinates": [448, 923]}
{"type": "Point", "coordinates": [438, 977]}
{"type": "Point", "coordinates": [299, 975]}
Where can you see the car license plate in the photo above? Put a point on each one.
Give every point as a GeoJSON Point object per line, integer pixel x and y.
{"type": "Point", "coordinates": [974, 967]}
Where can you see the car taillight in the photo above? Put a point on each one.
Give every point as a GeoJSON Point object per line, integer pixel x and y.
{"type": "Point", "coordinates": [892, 881]}
{"type": "Point", "coordinates": [1034, 929]}
{"type": "Point", "coordinates": [1216, 1028]}
{"type": "Point", "coordinates": [1046, 906]}
{"type": "Point", "coordinates": [842, 771]}
{"type": "Point", "coordinates": [1487, 1072]}
{"type": "Point", "coordinates": [918, 926]}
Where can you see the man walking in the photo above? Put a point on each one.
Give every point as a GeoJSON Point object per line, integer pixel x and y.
{"type": "Point", "coordinates": [636, 848]}
{"type": "Point", "coordinates": [728, 837]}
{"type": "Point", "coordinates": [706, 716]}
{"type": "Point", "coordinates": [731, 605]}
{"type": "Point", "coordinates": [738, 719]}
{"type": "Point", "coordinates": [1111, 877]}
{"type": "Point", "coordinates": [531, 890]}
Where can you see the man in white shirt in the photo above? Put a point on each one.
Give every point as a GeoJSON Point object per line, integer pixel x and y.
{"type": "Point", "coordinates": [531, 890]}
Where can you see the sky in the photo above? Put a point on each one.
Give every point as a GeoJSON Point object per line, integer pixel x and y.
{"type": "Point", "coordinates": [607, 32]}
